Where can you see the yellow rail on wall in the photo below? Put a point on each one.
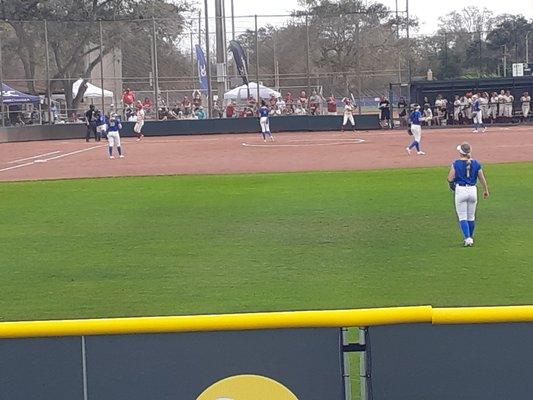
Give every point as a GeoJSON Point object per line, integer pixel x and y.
{"type": "Point", "coordinates": [273, 320]}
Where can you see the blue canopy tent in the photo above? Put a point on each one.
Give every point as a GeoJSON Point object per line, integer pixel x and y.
{"type": "Point", "coordinates": [11, 96]}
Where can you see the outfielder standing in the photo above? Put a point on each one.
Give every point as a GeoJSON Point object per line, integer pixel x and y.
{"type": "Point", "coordinates": [140, 121]}
{"type": "Point", "coordinates": [348, 114]}
{"type": "Point", "coordinates": [113, 135]}
{"type": "Point", "coordinates": [416, 118]}
{"type": "Point", "coordinates": [263, 121]}
{"type": "Point", "coordinates": [462, 178]}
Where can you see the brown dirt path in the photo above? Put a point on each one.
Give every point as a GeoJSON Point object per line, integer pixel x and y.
{"type": "Point", "coordinates": [226, 153]}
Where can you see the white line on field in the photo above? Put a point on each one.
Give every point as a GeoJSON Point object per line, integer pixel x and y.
{"type": "Point", "coordinates": [49, 159]}
{"type": "Point", "coordinates": [16, 166]}
{"type": "Point", "coordinates": [31, 158]}
{"type": "Point", "coordinates": [70, 154]}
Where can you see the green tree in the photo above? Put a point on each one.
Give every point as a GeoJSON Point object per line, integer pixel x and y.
{"type": "Point", "coordinates": [73, 32]}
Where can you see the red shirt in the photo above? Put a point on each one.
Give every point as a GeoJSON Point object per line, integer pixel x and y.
{"type": "Point", "coordinates": [230, 110]}
{"type": "Point", "coordinates": [128, 97]}
{"type": "Point", "coordinates": [147, 104]}
{"type": "Point", "coordinates": [332, 105]}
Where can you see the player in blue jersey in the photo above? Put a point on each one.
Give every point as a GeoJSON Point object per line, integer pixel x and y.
{"type": "Point", "coordinates": [463, 177]}
{"type": "Point", "coordinates": [416, 118]}
{"type": "Point", "coordinates": [113, 135]}
{"type": "Point", "coordinates": [477, 113]}
{"type": "Point", "coordinates": [263, 121]}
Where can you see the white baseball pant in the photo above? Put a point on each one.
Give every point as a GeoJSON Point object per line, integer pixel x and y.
{"type": "Point", "coordinates": [138, 126]}
{"type": "Point", "coordinates": [478, 117]}
{"type": "Point", "coordinates": [466, 202]}
{"type": "Point", "coordinates": [265, 126]}
{"type": "Point", "coordinates": [346, 118]}
{"type": "Point", "coordinates": [113, 138]}
{"type": "Point", "coordinates": [525, 110]}
{"type": "Point", "coordinates": [416, 130]}
{"type": "Point", "coordinates": [493, 111]}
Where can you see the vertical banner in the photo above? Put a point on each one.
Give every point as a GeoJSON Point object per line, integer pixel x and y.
{"type": "Point", "coordinates": [240, 60]}
{"type": "Point", "coordinates": [202, 69]}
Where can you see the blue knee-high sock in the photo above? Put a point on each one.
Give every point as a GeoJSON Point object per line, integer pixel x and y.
{"type": "Point", "coordinates": [417, 145]}
{"type": "Point", "coordinates": [119, 149]}
{"type": "Point", "coordinates": [269, 134]}
{"type": "Point", "coordinates": [465, 228]}
{"type": "Point", "coordinates": [471, 226]}
{"type": "Point", "coordinates": [264, 137]}
{"type": "Point", "coordinates": [110, 151]}
{"type": "Point", "coordinates": [414, 144]}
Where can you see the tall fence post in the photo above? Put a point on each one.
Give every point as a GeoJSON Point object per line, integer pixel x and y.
{"type": "Point", "coordinates": [307, 51]}
{"type": "Point", "coordinates": [256, 58]}
{"type": "Point", "coordinates": [47, 73]}
{"type": "Point", "coordinates": [102, 64]}
{"type": "Point", "coordinates": [155, 71]}
{"type": "Point", "coordinates": [208, 61]}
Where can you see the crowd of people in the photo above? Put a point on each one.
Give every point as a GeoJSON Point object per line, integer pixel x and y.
{"type": "Point", "coordinates": [494, 107]}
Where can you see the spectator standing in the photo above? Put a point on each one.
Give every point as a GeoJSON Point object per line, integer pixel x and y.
{"type": "Point", "coordinates": [289, 102]}
{"type": "Point", "coordinates": [128, 99]}
{"type": "Point", "coordinates": [90, 122]}
{"type": "Point", "coordinates": [332, 105]}
{"type": "Point", "coordinates": [384, 110]}
{"type": "Point", "coordinates": [147, 105]}
{"type": "Point", "coordinates": [303, 100]}
{"type": "Point", "coordinates": [218, 109]}
{"type": "Point", "coordinates": [196, 98]}
{"type": "Point", "coordinates": [230, 110]}
{"type": "Point", "coordinates": [314, 103]}
{"type": "Point", "coordinates": [526, 105]}
{"type": "Point", "coordinates": [280, 106]}
{"type": "Point", "coordinates": [186, 105]}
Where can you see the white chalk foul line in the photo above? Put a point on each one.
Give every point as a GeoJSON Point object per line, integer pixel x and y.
{"type": "Point", "coordinates": [352, 141]}
{"type": "Point", "coordinates": [33, 157]}
{"type": "Point", "coordinates": [49, 159]}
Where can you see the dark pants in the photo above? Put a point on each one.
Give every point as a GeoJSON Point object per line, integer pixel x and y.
{"type": "Point", "coordinates": [91, 129]}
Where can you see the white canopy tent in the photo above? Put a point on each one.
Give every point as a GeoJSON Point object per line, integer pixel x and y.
{"type": "Point", "coordinates": [241, 92]}
{"type": "Point", "coordinates": [92, 91]}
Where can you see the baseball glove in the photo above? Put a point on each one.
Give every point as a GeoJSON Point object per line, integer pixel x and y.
{"type": "Point", "coordinates": [452, 186]}
{"type": "Point", "coordinates": [409, 132]}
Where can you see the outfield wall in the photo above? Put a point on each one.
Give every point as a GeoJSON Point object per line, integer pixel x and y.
{"type": "Point", "coordinates": [409, 353]}
{"type": "Point", "coordinates": [192, 127]}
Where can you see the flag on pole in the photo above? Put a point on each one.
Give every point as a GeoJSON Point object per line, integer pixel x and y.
{"type": "Point", "coordinates": [240, 60]}
{"type": "Point", "coordinates": [202, 69]}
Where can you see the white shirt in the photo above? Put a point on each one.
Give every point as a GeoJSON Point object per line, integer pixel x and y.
{"type": "Point", "coordinates": [525, 100]}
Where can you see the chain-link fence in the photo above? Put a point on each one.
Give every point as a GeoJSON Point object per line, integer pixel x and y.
{"type": "Point", "coordinates": [301, 59]}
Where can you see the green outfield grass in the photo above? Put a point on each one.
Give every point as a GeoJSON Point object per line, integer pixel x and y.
{"type": "Point", "coordinates": [233, 243]}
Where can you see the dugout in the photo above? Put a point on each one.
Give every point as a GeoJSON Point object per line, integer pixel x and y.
{"type": "Point", "coordinates": [451, 87]}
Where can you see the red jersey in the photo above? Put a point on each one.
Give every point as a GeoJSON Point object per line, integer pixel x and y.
{"type": "Point", "coordinates": [332, 105]}
{"type": "Point", "coordinates": [230, 110]}
{"type": "Point", "coordinates": [128, 97]}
